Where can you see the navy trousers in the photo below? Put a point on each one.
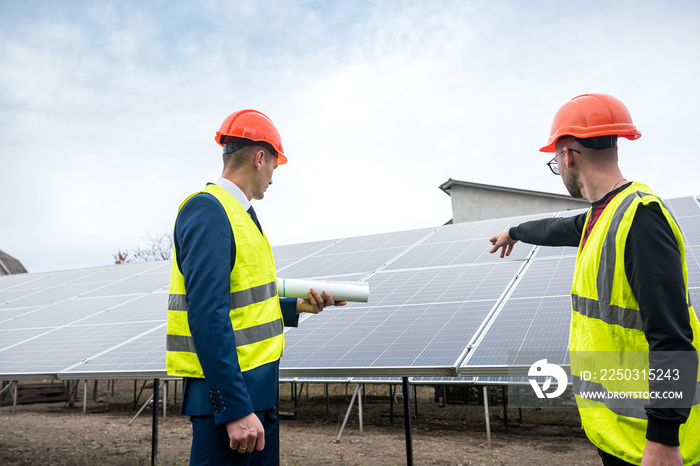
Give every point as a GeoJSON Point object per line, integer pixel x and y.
{"type": "Point", "coordinates": [210, 443]}
{"type": "Point", "coordinates": [610, 460]}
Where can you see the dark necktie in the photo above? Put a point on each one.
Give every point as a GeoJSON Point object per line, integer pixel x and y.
{"type": "Point", "coordinates": [251, 212]}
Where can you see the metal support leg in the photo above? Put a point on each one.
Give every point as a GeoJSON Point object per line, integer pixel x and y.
{"type": "Point", "coordinates": [137, 398]}
{"type": "Point", "coordinates": [391, 403]}
{"type": "Point", "coordinates": [504, 395]}
{"type": "Point", "coordinates": [347, 414]}
{"type": "Point", "coordinates": [486, 413]}
{"type": "Point", "coordinates": [14, 397]}
{"type": "Point", "coordinates": [154, 437]}
{"type": "Point", "coordinates": [85, 397]}
{"type": "Point", "coordinates": [359, 407]}
{"type": "Point", "coordinates": [415, 399]}
{"type": "Point", "coordinates": [407, 421]}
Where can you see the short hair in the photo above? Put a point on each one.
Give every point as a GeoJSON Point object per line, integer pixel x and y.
{"type": "Point", "coordinates": [241, 155]}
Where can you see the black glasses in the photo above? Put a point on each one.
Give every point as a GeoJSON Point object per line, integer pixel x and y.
{"type": "Point", "coordinates": [552, 164]}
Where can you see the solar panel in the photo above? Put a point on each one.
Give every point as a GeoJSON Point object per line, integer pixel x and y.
{"type": "Point", "coordinates": [140, 357]}
{"type": "Point", "coordinates": [462, 243]}
{"type": "Point", "coordinates": [686, 210]}
{"type": "Point", "coordinates": [11, 281]}
{"type": "Point", "coordinates": [354, 255]}
{"type": "Point", "coordinates": [62, 313]}
{"type": "Point", "coordinates": [55, 350]}
{"type": "Point", "coordinates": [420, 320]}
{"type": "Point", "coordinates": [534, 319]}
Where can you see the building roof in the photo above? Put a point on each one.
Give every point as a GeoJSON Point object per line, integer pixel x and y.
{"type": "Point", "coordinates": [449, 183]}
{"type": "Point", "coordinates": [9, 265]}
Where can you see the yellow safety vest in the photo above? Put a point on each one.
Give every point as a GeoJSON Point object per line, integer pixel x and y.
{"type": "Point", "coordinates": [606, 334]}
{"type": "Point", "coordinates": [255, 312]}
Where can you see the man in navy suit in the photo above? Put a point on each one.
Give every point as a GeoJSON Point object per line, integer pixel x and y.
{"type": "Point", "coordinates": [225, 318]}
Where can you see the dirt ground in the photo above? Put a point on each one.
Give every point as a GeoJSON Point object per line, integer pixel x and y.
{"type": "Point", "coordinates": [455, 434]}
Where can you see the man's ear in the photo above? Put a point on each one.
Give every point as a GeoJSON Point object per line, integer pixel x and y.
{"type": "Point", "coordinates": [568, 157]}
{"type": "Point", "coordinates": [259, 156]}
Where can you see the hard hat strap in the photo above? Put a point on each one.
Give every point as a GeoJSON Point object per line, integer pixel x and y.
{"type": "Point", "coordinates": [598, 143]}
{"type": "Point", "coordinates": [236, 146]}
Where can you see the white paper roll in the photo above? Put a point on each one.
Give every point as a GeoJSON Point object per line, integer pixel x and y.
{"type": "Point", "coordinates": [341, 291]}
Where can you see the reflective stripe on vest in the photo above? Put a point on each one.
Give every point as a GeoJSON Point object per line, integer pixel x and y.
{"type": "Point", "coordinates": [606, 318]}
{"type": "Point", "coordinates": [239, 299]}
{"type": "Point", "coordinates": [244, 336]}
{"type": "Point", "coordinates": [254, 313]}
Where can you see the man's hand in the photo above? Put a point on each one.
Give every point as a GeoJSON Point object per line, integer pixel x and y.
{"type": "Point", "coordinates": [316, 303]}
{"type": "Point", "coordinates": [502, 241]}
{"type": "Point", "coordinates": [246, 434]}
{"type": "Point", "coordinates": [658, 454]}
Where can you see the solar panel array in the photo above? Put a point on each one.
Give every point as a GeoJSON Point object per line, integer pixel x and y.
{"type": "Point", "coordinates": [430, 292]}
{"type": "Point", "coordinates": [440, 306]}
{"type": "Point", "coordinates": [76, 321]}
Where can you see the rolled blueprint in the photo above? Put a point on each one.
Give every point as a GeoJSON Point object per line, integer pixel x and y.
{"type": "Point", "coordinates": [341, 291]}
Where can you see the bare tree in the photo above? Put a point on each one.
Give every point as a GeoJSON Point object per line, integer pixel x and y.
{"type": "Point", "coordinates": [159, 248]}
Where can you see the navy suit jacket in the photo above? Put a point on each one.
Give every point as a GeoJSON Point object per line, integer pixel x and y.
{"type": "Point", "coordinates": [206, 252]}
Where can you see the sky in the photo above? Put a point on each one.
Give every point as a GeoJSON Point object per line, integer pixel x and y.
{"type": "Point", "coordinates": [108, 110]}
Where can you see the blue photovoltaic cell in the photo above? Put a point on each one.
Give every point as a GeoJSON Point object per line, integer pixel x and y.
{"type": "Point", "coordinates": [692, 257]}
{"type": "Point", "coordinates": [53, 352]}
{"type": "Point", "coordinates": [684, 206]}
{"type": "Point", "coordinates": [142, 283]}
{"type": "Point", "coordinates": [62, 313]}
{"type": "Point", "coordinates": [41, 297]}
{"type": "Point", "coordinates": [12, 337]}
{"type": "Point", "coordinates": [462, 243]}
{"type": "Point", "coordinates": [143, 354]}
{"type": "Point", "coordinates": [546, 277]}
{"type": "Point", "coordinates": [418, 318]}
{"type": "Point", "coordinates": [686, 210]}
{"type": "Point", "coordinates": [327, 264]}
{"type": "Point", "coordinates": [354, 255]}
{"type": "Point", "coordinates": [12, 281]}
{"type": "Point", "coordinates": [300, 251]}
{"type": "Point", "coordinates": [145, 308]}
{"type": "Point", "coordinates": [535, 317]}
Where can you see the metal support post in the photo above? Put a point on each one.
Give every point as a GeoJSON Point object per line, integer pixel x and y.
{"type": "Point", "coordinates": [415, 399]}
{"type": "Point", "coordinates": [85, 396]}
{"type": "Point", "coordinates": [486, 413]}
{"type": "Point", "coordinates": [359, 407]}
{"type": "Point", "coordinates": [347, 414]}
{"type": "Point", "coordinates": [154, 437]}
{"type": "Point", "coordinates": [504, 395]}
{"type": "Point", "coordinates": [391, 403]}
{"type": "Point", "coordinates": [407, 421]}
{"type": "Point", "coordinates": [14, 397]}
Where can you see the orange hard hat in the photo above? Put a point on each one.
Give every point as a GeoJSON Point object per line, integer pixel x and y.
{"type": "Point", "coordinates": [590, 116]}
{"type": "Point", "coordinates": [253, 126]}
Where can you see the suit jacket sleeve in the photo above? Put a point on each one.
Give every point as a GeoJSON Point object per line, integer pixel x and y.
{"type": "Point", "coordinates": [204, 242]}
